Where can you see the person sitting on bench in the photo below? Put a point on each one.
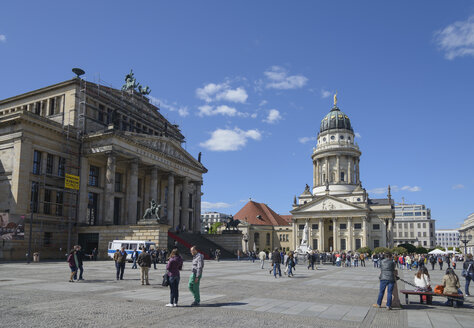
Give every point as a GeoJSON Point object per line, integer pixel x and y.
{"type": "Point", "coordinates": [423, 283]}
{"type": "Point", "coordinates": [451, 286]}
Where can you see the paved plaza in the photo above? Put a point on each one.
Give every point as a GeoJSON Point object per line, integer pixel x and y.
{"type": "Point", "coordinates": [233, 294]}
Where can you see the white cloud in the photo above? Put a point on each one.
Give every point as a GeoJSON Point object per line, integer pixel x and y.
{"type": "Point", "coordinates": [230, 140]}
{"type": "Point", "coordinates": [279, 79]}
{"type": "Point", "coordinates": [383, 190]}
{"type": "Point", "coordinates": [273, 116]}
{"type": "Point", "coordinates": [209, 205]}
{"type": "Point", "coordinates": [221, 92]}
{"type": "Point", "coordinates": [357, 135]}
{"type": "Point", "coordinates": [457, 39]}
{"type": "Point", "coordinates": [458, 186]}
{"type": "Point", "coordinates": [174, 107]}
{"type": "Point", "coordinates": [254, 115]}
{"type": "Point", "coordinates": [325, 93]}
{"type": "Point", "coordinates": [208, 110]}
{"type": "Point", "coordinates": [3, 38]}
{"type": "Point", "coordinates": [263, 103]}
{"type": "Point", "coordinates": [304, 140]}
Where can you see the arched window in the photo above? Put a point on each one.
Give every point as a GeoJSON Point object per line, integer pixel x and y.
{"type": "Point", "coordinates": [342, 176]}
{"type": "Point", "coordinates": [333, 177]}
{"type": "Point", "coordinates": [256, 238]}
{"type": "Point", "coordinates": [268, 239]}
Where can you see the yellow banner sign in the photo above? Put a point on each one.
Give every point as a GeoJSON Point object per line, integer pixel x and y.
{"type": "Point", "coordinates": [71, 182]}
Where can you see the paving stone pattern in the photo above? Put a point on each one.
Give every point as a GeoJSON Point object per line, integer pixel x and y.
{"type": "Point", "coordinates": [233, 294]}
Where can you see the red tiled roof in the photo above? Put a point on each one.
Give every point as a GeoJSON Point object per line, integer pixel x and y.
{"type": "Point", "coordinates": [249, 213]}
{"type": "Point", "coordinates": [287, 218]}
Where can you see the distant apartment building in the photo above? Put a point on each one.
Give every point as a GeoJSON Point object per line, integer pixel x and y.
{"type": "Point", "coordinates": [209, 218]}
{"type": "Point", "coordinates": [413, 225]}
{"type": "Point", "coordinates": [447, 238]}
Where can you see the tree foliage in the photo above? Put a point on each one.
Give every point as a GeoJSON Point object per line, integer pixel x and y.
{"type": "Point", "coordinates": [421, 250]}
{"type": "Point", "coordinates": [364, 250]}
{"type": "Point", "coordinates": [399, 250]}
{"type": "Point", "coordinates": [409, 247]}
{"type": "Point", "coordinates": [214, 227]}
{"type": "Point", "coordinates": [379, 250]}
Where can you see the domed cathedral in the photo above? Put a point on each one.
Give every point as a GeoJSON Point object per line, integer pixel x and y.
{"type": "Point", "coordinates": [339, 213]}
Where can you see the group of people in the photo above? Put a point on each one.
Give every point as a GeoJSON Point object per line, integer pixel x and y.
{"type": "Point", "coordinates": [75, 260]}
{"type": "Point", "coordinates": [157, 256]}
{"type": "Point", "coordinates": [415, 261]}
{"type": "Point", "coordinates": [450, 284]}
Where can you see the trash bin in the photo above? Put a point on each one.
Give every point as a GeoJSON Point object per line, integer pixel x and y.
{"type": "Point", "coordinates": [36, 257]}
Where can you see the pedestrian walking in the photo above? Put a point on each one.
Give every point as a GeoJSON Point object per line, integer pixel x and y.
{"type": "Point", "coordinates": [468, 273]}
{"type": "Point", "coordinates": [72, 264]}
{"type": "Point", "coordinates": [387, 280]}
{"type": "Point", "coordinates": [94, 254]}
{"type": "Point", "coordinates": [362, 260]}
{"type": "Point", "coordinates": [144, 261]}
{"type": "Point", "coordinates": [174, 265]}
{"type": "Point", "coordinates": [276, 260]}
{"type": "Point", "coordinates": [135, 258]}
{"type": "Point", "coordinates": [154, 257]}
{"type": "Point", "coordinates": [310, 260]}
{"type": "Point", "coordinates": [79, 257]}
{"type": "Point", "coordinates": [195, 278]}
{"type": "Point", "coordinates": [218, 255]}
{"type": "Point", "coordinates": [262, 257]}
{"type": "Point", "coordinates": [290, 264]}
{"type": "Point", "coordinates": [120, 258]}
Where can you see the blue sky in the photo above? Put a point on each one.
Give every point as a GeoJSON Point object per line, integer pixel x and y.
{"type": "Point", "coordinates": [249, 82]}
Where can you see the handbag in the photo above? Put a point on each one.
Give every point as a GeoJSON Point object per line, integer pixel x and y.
{"type": "Point", "coordinates": [465, 272]}
{"type": "Point", "coordinates": [439, 289]}
{"type": "Point", "coordinates": [166, 280]}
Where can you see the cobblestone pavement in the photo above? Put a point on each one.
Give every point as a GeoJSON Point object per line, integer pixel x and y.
{"type": "Point", "coordinates": [233, 294]}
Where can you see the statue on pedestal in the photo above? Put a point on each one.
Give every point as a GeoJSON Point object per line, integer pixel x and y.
{"type": "Point", "coordinates": [153, 212]}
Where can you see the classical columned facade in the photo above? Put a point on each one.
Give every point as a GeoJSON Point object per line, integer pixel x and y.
{"type": "Point", "coordinates": [339, 212]}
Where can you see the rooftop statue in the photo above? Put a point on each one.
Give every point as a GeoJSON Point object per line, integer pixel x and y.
{"type": "Point", "coordinates": [131, 84]}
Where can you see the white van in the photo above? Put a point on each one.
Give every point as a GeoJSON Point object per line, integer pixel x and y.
{"type": "Point", "coordinates": [130, 246]}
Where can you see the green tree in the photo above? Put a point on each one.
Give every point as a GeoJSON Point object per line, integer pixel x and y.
{"type": "Point", "coordinates": [421, 250]}
{"type": "Point", "coordinates": [214, 228]}
{"type": "Point", "coordinates": [364, 250]}
{"type": "Point", "coordinates": [399, 250]}
{"type": "Point", "coordinates": [379, 250]}
{"type": "Point", "coordinates": [409, 247]}
{"type": "Point", "coordinates": [458, 250]}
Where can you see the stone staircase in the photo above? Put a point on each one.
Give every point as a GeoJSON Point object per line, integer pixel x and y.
{"type": "Point", "coordinates": [185, 240]}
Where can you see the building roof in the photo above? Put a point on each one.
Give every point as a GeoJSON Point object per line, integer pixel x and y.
{"type": "Point", "coordinates": [380, 201]}
{"type": "Point", "coordinates": [287, 218]}
{"type": "Point", "coordinates": [335, 119]}
{"type": "Point", "coordinates": [252, 209]}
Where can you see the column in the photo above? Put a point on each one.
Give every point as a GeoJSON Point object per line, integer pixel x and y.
{"type": "Point", "coordinates": [132, 193]}
{"type": "Point", "coordinates": [315, 173]}
{"type": "Point", "coordinates": [349, 168]}
{"type": "Point", "coordinates": [177, 198]}
{"type": "Point", "coordinates": [20, 184]}
{"type": "Point", "coordinates": [321, 235]}
{"type": "Point", "coordinates": [357, 171]}
{"type": "Point", "coordinates": [364, 232]}
{"type": "Point", "coordinates": [327, 170]}
{"type": "Point", "coordinates": [338, 169]}
{"type": "Point", "coordinates": [384, 232]}
{"type": "Point", "coordinates": [349, 228]}
{"type": "Point", "coordinates": [154, 185]}
{"type": "Point", "coordinates": [185, 204]}
{"type": "Point", "coordinates": [334, 234]}
{"type": "Point", "coordinates": [109, 189]}
{"type": "Point", "coordinates": [318, 178]}
{"type": "Point", "coordinates": [197, 207]}
{"type": "Point", "coordinates": [170, 202]}
{"type": "Point", "coordinates": [83, 193]}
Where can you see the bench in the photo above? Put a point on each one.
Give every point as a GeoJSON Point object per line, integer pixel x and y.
{"type": "Point", "coordinates": [429, 296]}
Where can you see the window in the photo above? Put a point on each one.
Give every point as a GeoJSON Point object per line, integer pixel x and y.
{"type": "Point", "coordinates": [315, 244]}
{"type": "Point", "coordinates": [399, 226]}
{"type": "Point", "coordinates": [190, 205]}
{"type": "Point", "coordinates": [34, 196]}
{"type": "Point", "coordinates": [139, 188]}
{"type": "Point", "coordinates": [92, 208]}
{"type": "Point", "coordinates": [301, 226]}
{"type": "Point", "coordinates": [314, 226]}
{"type": "Point", "coordinates": [358, 243]}
{"type": "Point", "coordinates": [412, 234]}
{"type": "Point", "coordinates": [406, 234]}
{"type": "Point", "coordinates": [341, 137]}
{"type": "Point", "coordinates": [400, 234]}
{"type": "Point", "coordinates": [405, 225]}
{"type": "Point", "coordinates": [49, 164]}
{"type": "Point", "coordinates": [100, 114]}
{"type": "Point", "coordinates": [52, 106]}
{"type": "Point", "coordinates": [37, 108]}
{"type": "Point", "coordinates": [411, 225]}
{"type": "Point", "coordinates": [47, 202]}
{"type": "Point", "coordinates": [268, 239]}
{"type": "Point", "coordinates": [419, 234]}
{"type": "Point", "coordinates": [37, 162]}
{"type": "Point", "coordinates": [59, 203]}
{"type": "Point", "coordinates": [343, 226]}
{"type": "Point", "coordinates": [376, 243]}
{"type": "Point", "coordinates": [342, 176]}
{"type": "Point", "coordinates": [94, 176]}
{"type": "Point", "coordinates": [417, 213]}
{"type": "Point", "coordinates": [358, 226]}
{"type": "Point", "coordinates": [118, 182]}
{"type": "Point", "coordinates": [256, 238]}
{"type": "Point", "coordinates": [408, 214]}
{"type": "Point", "coordinates": [424, 225]}
{"type": "Point", "coordinates": [333, 137]}
{"type": "Point", "coordinates": [47, 238]}
{"type": "Point", "coordinates": [424, 234]}
{"type": "Point", "coordinates": [376, 227]}
{"type": "Point", "coordinates": [419, 225]}
{"type": "Point", "coordinates": [117, 210]}
{"type": "Point", "coordinates": [424, 243]}
{"type": "Point", "coordinates": [431, 225]}
{"type": "Point", "coordinates": [330, 227]}
{"type": "Point", "coordinates": [61, 166]}
{"type": "Point", "coordinates": [343, 244]}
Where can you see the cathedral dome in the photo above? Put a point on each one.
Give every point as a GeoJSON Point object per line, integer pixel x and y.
{"type": "Point", "coordinates": [335, 119]}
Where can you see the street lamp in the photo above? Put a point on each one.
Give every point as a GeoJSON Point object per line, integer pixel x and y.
{"type": "Point", "coordinates": [246, 240]}
{"type": "Point", "coordinates": [465, 239]}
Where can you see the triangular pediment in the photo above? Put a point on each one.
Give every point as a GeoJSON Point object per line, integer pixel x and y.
{"type": "Point", "coordinates": [327, 204]}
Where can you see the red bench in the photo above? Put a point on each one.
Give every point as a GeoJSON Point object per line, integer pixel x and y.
{"type": "Point", "coordinates": [429, 296]}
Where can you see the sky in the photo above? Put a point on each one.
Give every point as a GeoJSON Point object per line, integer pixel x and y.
{"type": "Point", "coordinates": [248, 82]}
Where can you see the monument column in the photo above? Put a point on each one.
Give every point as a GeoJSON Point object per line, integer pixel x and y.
{"type": "Point", "coordinates": [185, 204]}
{"type": "Point", "coordinates": [321, 236]}
{"type": "Point", "coordinates": [170, 200]}
{"type": "Point", "coordinates": [334, 234]}
{"type": "Point", "coordinates": [109, 189]}
{"type": "Point", "coordinates": [351, 238]}
{"type": "Point", "coordinates": [132, 192]}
